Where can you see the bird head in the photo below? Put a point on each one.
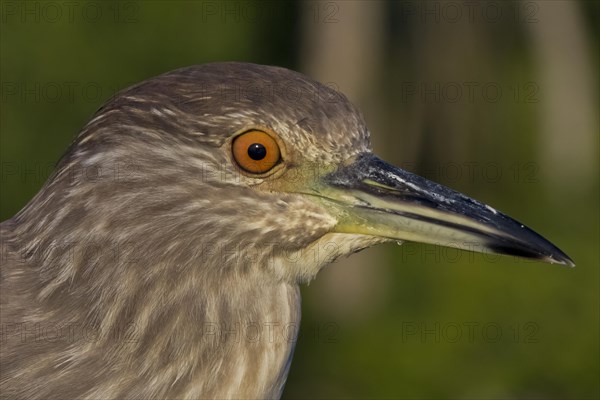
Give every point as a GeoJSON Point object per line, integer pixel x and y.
{"type": "Point", "coordinates": [241, 167]}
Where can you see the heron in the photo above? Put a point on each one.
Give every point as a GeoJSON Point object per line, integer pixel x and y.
{"type": "Point", "coordinates": [163, 256]}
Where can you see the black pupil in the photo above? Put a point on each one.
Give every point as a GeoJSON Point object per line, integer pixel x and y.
{"type": "Point", "coordinates": [257, 151]}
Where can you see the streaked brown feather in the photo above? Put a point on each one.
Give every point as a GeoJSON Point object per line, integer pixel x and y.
{"type": "Point", "coordinates": [139, 267]}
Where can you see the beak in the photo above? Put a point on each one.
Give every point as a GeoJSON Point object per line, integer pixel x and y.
{"type": "Point", "coordinates": [375, 198]}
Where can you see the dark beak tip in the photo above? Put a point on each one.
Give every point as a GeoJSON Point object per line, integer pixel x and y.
{"type": "Point", "coordinates": [563, 259]}
{"type": "Point", "coordinates": [554, 255]}
{"type": "Point", "coordinates": [557, 256]}
{"type": "Point", "coordinates": [542, 253]}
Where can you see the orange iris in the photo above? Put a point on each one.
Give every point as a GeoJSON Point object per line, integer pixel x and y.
{"type": "Point", "coordinates": [256, 152]}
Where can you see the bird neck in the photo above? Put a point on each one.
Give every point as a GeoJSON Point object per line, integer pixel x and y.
{"type": "Point", "coordinates": [199, 329]}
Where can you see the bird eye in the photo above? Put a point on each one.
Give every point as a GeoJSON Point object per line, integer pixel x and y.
{"type": "Point", "coordinates": [256, 152]}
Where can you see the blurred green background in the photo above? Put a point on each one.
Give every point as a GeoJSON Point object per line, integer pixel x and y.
{"type": "Point", "coordinates": [495, 99]}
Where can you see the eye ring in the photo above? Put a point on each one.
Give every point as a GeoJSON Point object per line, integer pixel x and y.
{"type": "Point", "coordinates": [256, 151]}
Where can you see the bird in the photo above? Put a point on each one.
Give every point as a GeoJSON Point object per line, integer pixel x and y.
{"type": "Point", "coordinates": [162, 258]}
